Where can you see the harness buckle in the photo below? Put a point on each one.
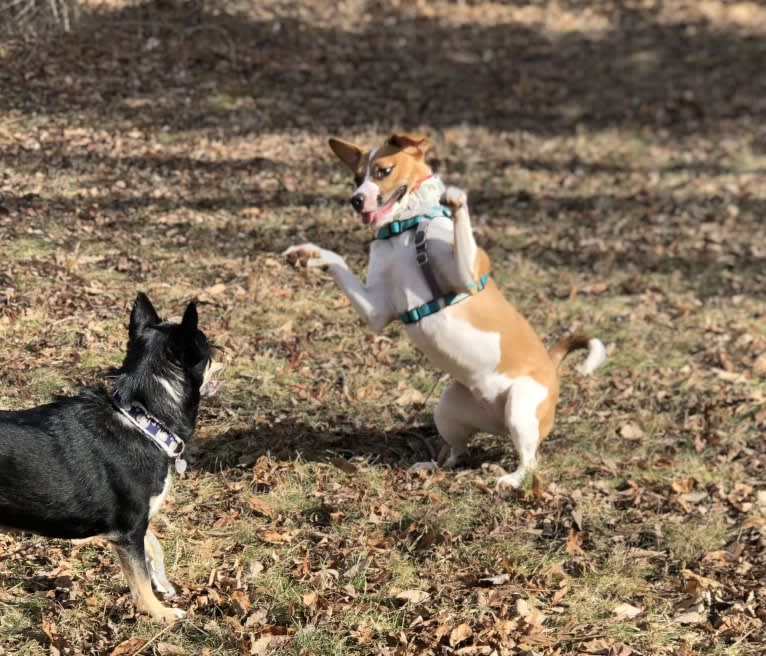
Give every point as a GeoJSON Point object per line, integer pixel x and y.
{"type": "Point", "coordinates": [395, 228]}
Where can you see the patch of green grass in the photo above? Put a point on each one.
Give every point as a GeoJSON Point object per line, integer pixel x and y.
{"type": "Point", "coordinates": [45, 383]}
{"type": "Point", "coordinates": [690, 540]}
{"type": "Point", "coordinates": [29, 246]}
{"type": "Point", "coordinates": [318, 641]}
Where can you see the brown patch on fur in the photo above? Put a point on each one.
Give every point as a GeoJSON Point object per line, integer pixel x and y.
{"type": "Point", "coordinates": [347, 153]}
{"type": "Point", "coordinates": [546, 413]}
{"type": "Point", "coordinates": [481, 266]}
{"type": "Point", "coordinates": [566, 345]}
{"type": "Point", "coordinates": [522, 352]}
{"type": "Point", "coordinates": [403, 152]}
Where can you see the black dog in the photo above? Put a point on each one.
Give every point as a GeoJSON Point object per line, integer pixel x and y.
{"type": "Point", "coordinates": [98, 464]}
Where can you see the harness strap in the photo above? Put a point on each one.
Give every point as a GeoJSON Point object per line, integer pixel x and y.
{"type": "Point", "coordinates": [421, 257]}
{"type": "Point", "coordinates": [398, 227]}
{"type": "Point", "coordinates": [432, 307]}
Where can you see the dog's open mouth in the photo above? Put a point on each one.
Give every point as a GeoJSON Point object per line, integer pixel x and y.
{"type": "Point", "coordinates": [209, 385]}
{"type": "Point", "coordinates": [371, 218]}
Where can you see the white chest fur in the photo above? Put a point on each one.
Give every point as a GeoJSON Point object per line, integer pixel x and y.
{"type": "Point", "coordinates": [155, 502]}
{"type": "Point", "coordinates": [469, 355]}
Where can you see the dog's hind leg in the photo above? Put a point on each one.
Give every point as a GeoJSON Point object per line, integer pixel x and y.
{"type": "Point", "coordinates": [521, 416]}
{"type": "Point", "coordinates": [458, 417]}
{"type": "Point", "coordinates": [133, 560]}
{"type": "Point", "coordinates": [155, 559]}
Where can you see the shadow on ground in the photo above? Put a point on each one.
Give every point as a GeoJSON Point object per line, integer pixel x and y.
{"type": "Point", "coordinates": [188, 66]}
{"type": "Point", "coordinates": [288, 440]}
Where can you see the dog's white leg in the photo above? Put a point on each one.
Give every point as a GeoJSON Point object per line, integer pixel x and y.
{"type": "Point", "coordinates": [369, 300]}
{"type": "Point", "coordinates": [521, 420]}
{"type": "Point", "coordinates": [458, 417]}
{"type": "Point", "coordinates": [134, 566]}
{"type": "Point", "coordinates": [465, 244]}
{"type": "Point", "coordinates": [155, 560]}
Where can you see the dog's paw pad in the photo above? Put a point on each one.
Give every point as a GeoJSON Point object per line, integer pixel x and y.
{"type": "Point", "coordinates": [302, 255]}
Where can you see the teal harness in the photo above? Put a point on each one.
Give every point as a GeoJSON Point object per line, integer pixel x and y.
{"type": "Point", "coordinates": [396, 228]}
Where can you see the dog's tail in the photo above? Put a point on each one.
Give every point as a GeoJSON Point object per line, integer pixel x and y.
{"type": "Point", "coordinates": [596, 351]}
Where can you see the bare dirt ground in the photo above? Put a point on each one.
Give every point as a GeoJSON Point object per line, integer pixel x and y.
{"type": "Point", "coordinates": [615, 159]}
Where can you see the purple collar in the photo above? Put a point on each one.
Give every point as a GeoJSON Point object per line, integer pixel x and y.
{"type": "Point", "coordinates": [171, 444]}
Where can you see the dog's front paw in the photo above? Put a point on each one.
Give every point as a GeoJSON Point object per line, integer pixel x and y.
{"type": "Point", "coordinates": [168, 615]}
{"type": "Point", "coordinates": [302, 254]}
{"type": "Point", "coordinates": [310, 256]}
{"type": "Point", "coordinates": [510, 481]}
{"type": "Point", "coordinates": [454, 197]}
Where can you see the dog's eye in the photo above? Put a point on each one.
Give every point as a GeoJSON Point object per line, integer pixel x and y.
{"type": "Point", "coordinates": [382, 172]}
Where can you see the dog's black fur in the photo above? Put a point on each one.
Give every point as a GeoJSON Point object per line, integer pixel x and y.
{"type": "Point", "coordinates": [76, 468]}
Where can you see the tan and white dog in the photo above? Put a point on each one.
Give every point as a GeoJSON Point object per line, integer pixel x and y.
{"type": "Point", "coordinates": [505, 381]}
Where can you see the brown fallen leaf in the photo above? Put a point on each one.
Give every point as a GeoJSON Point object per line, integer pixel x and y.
{"type": "Point", "coordinates": [620, 649]}
{"type": "Point", "coordinates": [274, 537]}
{"type": "Point", "coordinates": [169, 649]}
{"type": "Point", "coordinates": [344, 465]}
{"type": "Point", "coordinates": [413, 596]}
{"type": "Point", "coordinates": [574, 542]}
{"type": "Point", "coordinates": [128, 646]}
{"type": "Point", "coordinates": [58, 643]}
{"type": "Point", "coordinates": [560, 593]}
{"type": "Point", "coordinates": [310, 599]}
{"type": "Point", "coordinates": [759, 365]}
{"type": "Point", "coordinates": [261, 645]}
{"type": "Point", "coordinates": [682, 485]}
{"type": "Point", "coordinates": [631, 431]}
{"type": "Point", "coordinates": [694, 583]}
{"type": "Point", "coordinates": [691, 616]}
{"type": "Point", "coordinates": [533, 618]}
{"type": "Point", "coordinates": [260, 507]}
{"type": "Point", "coordinates": [215, 290]}
{"type": "Point", "coordinates": [460, 634]}
{"type": "Point", "coordinates": [626, 611]}
{"type": "Point", "coordinates": [410, 396]}
{"type": "Point", "coordinates": [240, 602]}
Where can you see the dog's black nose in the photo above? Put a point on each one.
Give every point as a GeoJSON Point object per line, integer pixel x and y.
{"type": "Point", "coordinates": [357, 202]}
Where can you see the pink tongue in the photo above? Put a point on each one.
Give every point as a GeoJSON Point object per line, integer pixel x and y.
{"type": "Point", "coordinates": [371, 216]}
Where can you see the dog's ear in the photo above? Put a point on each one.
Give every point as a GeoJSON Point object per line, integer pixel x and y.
{"type": "Point", "coordinates": [143, 314]}
{"type": "Point", "coordinates": [347, 153]}
{"type": "Point", "coordinates": [189, 322]}
{"type": "Point", "coordinates": [415, 144]}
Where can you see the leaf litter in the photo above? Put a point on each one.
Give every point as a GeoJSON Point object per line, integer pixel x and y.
{"type": "Point", "coordinates": [614, 159]}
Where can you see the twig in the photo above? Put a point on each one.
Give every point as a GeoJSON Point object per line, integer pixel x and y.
{"type": "Point", "coordinates": [154, 638]}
